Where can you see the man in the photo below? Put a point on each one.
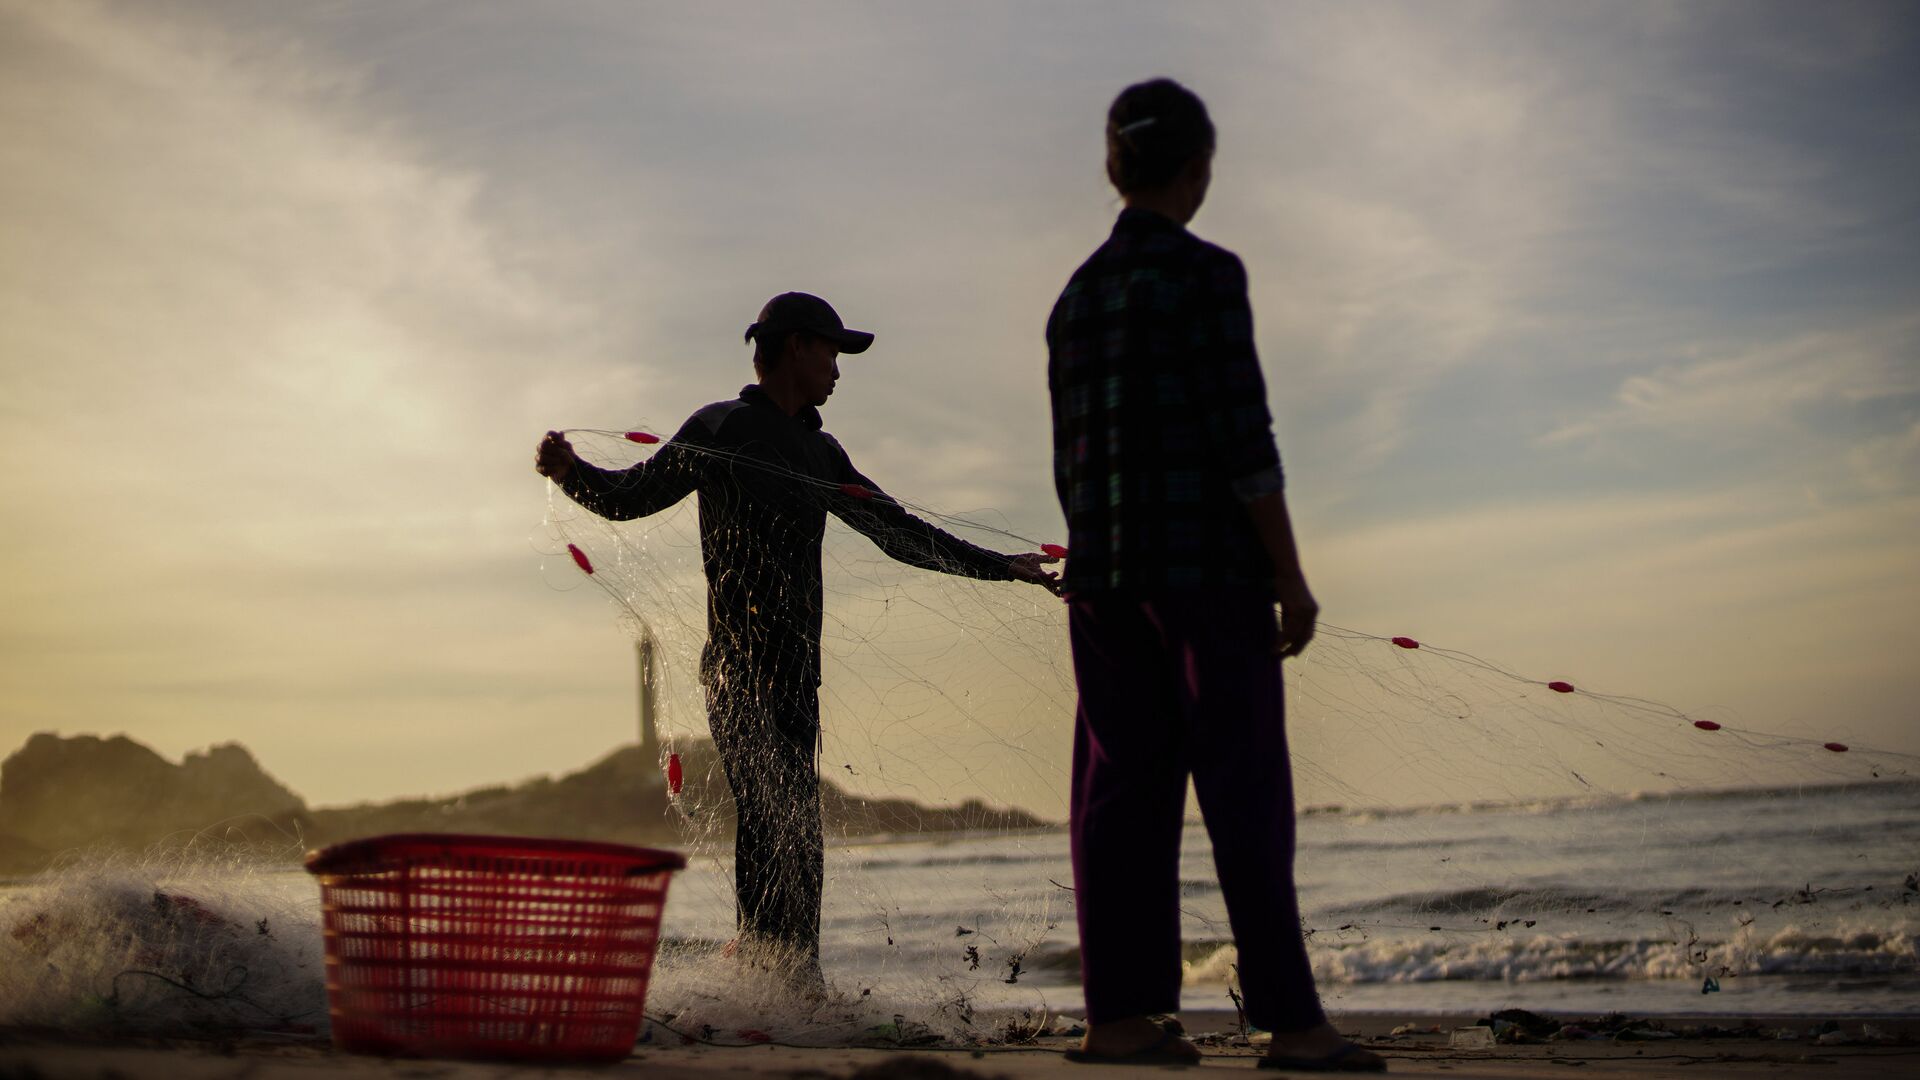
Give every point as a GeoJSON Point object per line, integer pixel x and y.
{"type": "Point", "coordinates": [768, 476]}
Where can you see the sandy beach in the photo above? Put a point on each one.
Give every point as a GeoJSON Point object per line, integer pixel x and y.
{"type": "Point", "coordinates": [1717, 1047]}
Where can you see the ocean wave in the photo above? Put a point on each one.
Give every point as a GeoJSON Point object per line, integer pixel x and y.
{"type": "Point", "coordinates": [926, 862]}
{"type": "Point", "coordinates": [1891, 787]}
{"type": "Point", "coordinates": [1794, 950]}
{"type": "Point", "coordinates": [1490, 900]}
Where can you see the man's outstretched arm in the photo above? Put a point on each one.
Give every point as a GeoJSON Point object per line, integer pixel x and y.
{"type": "Point", "coordinates": [914, 541]}
{"type": "Point", "coordinates": [670, 475]}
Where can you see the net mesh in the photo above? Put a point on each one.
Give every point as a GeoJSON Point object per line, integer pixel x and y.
{"type": "Point", "coordinates": [1464, 793]}
{"type": "Point", "coordinates": [1470, 835]}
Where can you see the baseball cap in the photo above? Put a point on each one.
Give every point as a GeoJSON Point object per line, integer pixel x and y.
{"type": "Point", "coordinates": [804, 311]}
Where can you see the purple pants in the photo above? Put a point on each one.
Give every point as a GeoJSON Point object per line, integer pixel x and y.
{"type": "Point", "coordinates": [1171, 684]}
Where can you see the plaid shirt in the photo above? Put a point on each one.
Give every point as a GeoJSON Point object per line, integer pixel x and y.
{"type": "Point", "coordinates": [1160, 421]}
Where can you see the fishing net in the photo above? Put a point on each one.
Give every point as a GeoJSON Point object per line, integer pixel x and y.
{"type": "Point", "coordinates": [1607, 841]}
{"type": "Point", "coordinates": [1471, 836]}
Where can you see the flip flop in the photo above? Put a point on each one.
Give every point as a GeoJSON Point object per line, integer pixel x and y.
{"type": "Point", "coordinates": [1341, 1060]}
{"type": "Point", "coordinates": [1168, 1049]}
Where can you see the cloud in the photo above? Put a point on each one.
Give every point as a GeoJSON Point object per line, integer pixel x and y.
{"type": "Point", "coordinates": [289, 289]}
{"type": "Point", "coordinates": [254, 344]}
{"type": "Point", "coordinates": [1751, 394]}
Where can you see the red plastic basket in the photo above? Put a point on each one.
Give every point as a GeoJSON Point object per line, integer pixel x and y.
{"type": "Point", "coordinates": [489, 946]}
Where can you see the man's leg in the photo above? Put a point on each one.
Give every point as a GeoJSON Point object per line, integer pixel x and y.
{"type": "Point", "coordinates": [1244, 780]}
{"type": "Point", "coordinates": [778, 849]}
{"type": "Point", "coordinates": [1129, 791]}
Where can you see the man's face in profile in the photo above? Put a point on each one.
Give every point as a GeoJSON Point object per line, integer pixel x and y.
{"type": "Point", "coordinates": [816, 367]}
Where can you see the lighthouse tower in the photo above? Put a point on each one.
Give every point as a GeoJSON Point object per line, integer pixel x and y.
{"type": "Point", "coordinates": [649, 732]}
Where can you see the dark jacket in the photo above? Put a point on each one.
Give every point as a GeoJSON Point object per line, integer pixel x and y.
{"type": "Point", "coordinates": [1160, 424]}
{"type": "Point", "coordinates": [767, 482]}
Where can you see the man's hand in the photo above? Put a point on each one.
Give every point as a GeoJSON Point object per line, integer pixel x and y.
{"type": "Point", "coordinates": [554, 459]}
{"type": "Point", "coordinates": [1298, 613]}
{"type": "Point", "coordinates": [1027, 568]}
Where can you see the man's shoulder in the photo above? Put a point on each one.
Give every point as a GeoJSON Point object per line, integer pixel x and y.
{"type": "Point", "coordinates": [714, 416]}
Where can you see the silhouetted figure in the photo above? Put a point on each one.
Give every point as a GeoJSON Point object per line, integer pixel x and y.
{"type": "Point", "coordinates": [1179, 545]}
{"type": "Point", "coordinates": [768, 476]}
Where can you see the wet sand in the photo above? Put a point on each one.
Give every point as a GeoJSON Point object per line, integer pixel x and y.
{"type": "Point", "coordinates": [26, 1055]}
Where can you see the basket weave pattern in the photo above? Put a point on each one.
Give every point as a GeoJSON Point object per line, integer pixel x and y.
{"type": "Point", "coordinates": [452, 946]}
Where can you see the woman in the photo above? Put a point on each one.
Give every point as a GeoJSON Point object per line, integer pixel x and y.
{"type": "Point", "coordinates": [1179, 546]}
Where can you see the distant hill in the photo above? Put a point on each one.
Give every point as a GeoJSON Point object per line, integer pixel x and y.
{"type": "Point", "coordinates": [59, 794]}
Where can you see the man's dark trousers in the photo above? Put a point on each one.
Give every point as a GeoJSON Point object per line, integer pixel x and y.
{"type": "Point", "coordinates": [767, 734]}
{"type": "Point", "coordinates": [1173, 683]}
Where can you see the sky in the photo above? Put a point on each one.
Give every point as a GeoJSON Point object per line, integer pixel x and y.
{"type": "Point", "coordinates": [1592, 332]}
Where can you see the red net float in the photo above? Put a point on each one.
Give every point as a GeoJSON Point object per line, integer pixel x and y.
{"type": "Point", "coordinates": [1836, 747]}
{"type": "Point", "coordinates": [1706, 725]}
{"type": "Point", "coordinates": [674, 776]}
{"type": "Point", "coordinates": [1406, 643]}
{"type": "Point", "coordinates": [1559, 687]}
{"type": "Point", "coordinates": [643, 437]}
{"type": "Point", "coordinates": [858, 491]}
{"type": "Point", "coordinates": [1054, 550]}
{"type": "Point", "coordinates": [580, 559]}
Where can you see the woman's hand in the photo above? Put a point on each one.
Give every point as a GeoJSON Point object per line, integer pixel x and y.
{"type": "Point", "coordinates": [1298, 614]}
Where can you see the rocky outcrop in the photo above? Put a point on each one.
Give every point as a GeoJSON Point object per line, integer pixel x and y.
{"type": "Point", "coordinates": [59, 794]}
{"type": "Point", "coordinates": [620, 798]}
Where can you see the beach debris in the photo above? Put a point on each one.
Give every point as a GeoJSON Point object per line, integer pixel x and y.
{"type": "Point", "coordinates": [1013, 970]}
{"type": "Point", "coordinates": [1470, 1038]}
{"type": "Point", "coordinates": [1028, 1026]}
{"type": "Point", "coordinates": [1239, 1006]}
{"type": "Point", "coordinates": [1711, 986]}
{"type": "Point", "coordinates": [1572, 1033]}
{"type": "Point", "coordinates": [1418, 1029]}
{"type": "Point", "coordinates": [962, 931]}
{"type": "Point", "coordinates": [1520, 1025]}
{"type": "Point", "coordinates": [973, 958]}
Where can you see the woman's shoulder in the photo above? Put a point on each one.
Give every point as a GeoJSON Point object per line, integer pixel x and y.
{"type": "Point", "coordinates": [1209, 254]}
{"type": "Point", "coordinates": [1214, 267]}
